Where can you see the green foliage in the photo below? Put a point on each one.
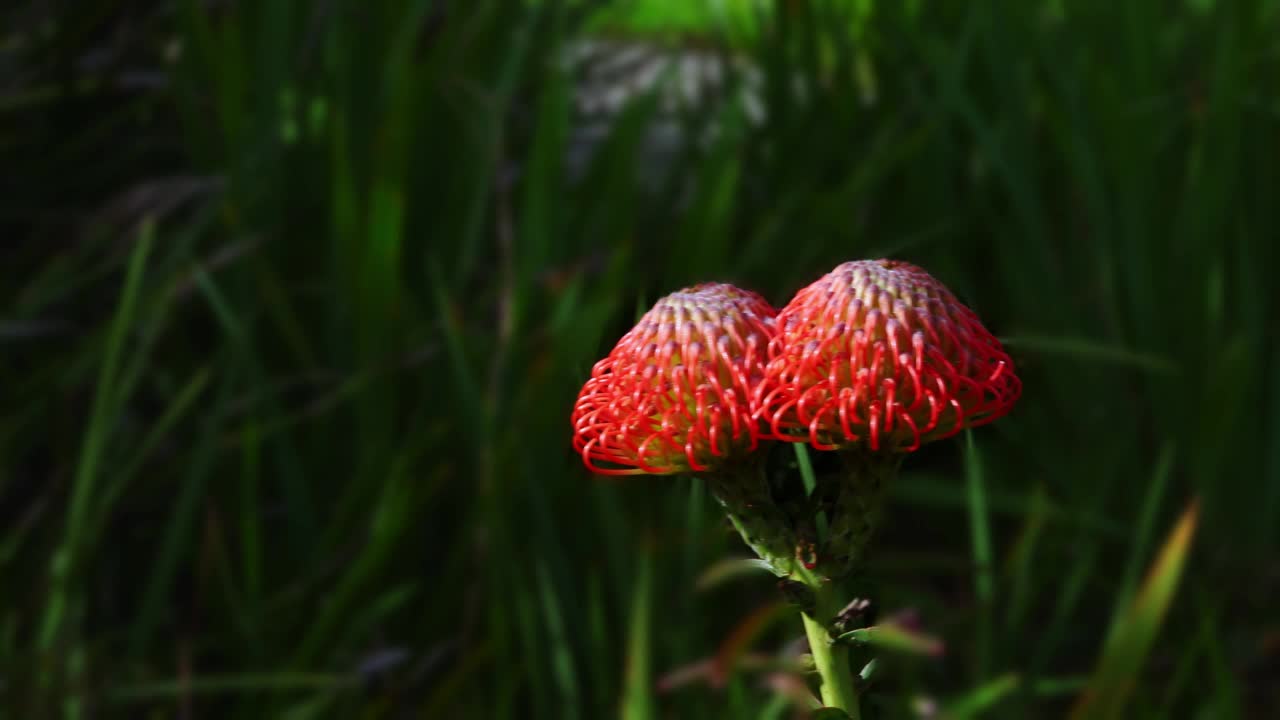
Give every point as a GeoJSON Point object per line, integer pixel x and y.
{"type": "Point", "coordinates": [1135, 629]}
{"type": "Point", "coordinates": [298, 297]}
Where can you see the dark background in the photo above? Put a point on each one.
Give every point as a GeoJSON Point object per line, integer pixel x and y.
{"type": "Point", "coordinates": [297, 297]}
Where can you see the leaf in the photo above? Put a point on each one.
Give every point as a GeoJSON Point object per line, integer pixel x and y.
{"type": "Point", "coordinates": [983, 562]}
{"type": "Point", "coordinates": [743, 635]}
{"type": "Point", "coordinates": [895, 637]}
{"type": "Point", "coordinates": [65, 565]}
{"type": "Point", "coordinates": [1087, 349]}
{"type": "Point", "coordinates": [231, 684]}
{"type": "Point", "coordinates": [637, 703]}
{"type": "Point", "coordinates": [1143, 534]}
{"type": "Point", "coordinates": [983, 697]}
{"type": "Point", "coordinates": [722, 571]}
{"type": "Point", "coordinates": [1127, 650]}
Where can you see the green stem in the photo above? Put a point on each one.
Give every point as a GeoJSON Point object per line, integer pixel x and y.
{"type": "Point", "coordinates": [857, 498]}
{"type": "Point", "coordinates": [744, 494]}
{"type": "Point", "coordinates": [831, 660]}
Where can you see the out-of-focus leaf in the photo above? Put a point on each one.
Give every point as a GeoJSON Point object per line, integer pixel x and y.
{"type": "Point", "coordinates": [982, 698]}
{"type": "Point", "coordinates": [233, 684]}
{"type": "Point", "coordinates": [1144, 532]}
{"type": "Point", "coordinates": [744, 634]}
{"type": "Point", "coordinates": [984, 584]}
{"type": "Point", "coordinates": [1086, 349]}
{"type": "Point", "coordinates": [728, 569]}
{"type": "Point", "coordinates": [895, 637]}
{"type": "Point", "coordinates": [1124, 655]}
{"type": "Point", "coordinates": [637, 702]}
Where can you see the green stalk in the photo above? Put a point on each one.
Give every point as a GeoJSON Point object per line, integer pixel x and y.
{"type": "Point", "coordinates": [743, 493]}
{"type": "Point", "coordinates": [852, 502]}
{"type": "Point", "coordinates": [857, 500]}
{"type": "Point", "coordinates": [830, 659]}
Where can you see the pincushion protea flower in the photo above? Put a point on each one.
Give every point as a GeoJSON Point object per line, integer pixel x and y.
{"type": "Point", "coordinates": [878, 354]}
{"type": "Point", "coordinates": [675, 394]}
{"type": "Point", "coordinates": [874, 359]}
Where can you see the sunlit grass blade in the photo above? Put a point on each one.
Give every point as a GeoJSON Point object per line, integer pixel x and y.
{"type": "Point", "coordinates": [1126, 651]}
{"type": "Point", "coordinates": [1142, 537]}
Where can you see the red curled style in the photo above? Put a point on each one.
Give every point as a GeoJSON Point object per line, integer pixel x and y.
{"type": "Point", "coordinates": [674, 395]}
{"type": "Point", "coordinates": [880, 355]}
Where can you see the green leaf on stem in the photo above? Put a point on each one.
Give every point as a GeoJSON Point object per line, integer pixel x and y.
{"type": "Point", "coordinates": [728, 569]}
{"type": "Point", "coordinates": [894, 637]}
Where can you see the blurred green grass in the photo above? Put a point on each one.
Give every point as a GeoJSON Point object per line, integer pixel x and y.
{"type": "Point", "coordinates": [303, 294]}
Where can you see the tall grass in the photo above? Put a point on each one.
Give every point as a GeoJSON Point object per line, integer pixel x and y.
{"type": "Point", "coordinates": [292, 337]}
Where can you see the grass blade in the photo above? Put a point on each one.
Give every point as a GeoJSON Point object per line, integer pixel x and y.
{"type": "Point", "coordinates": [231, 685]}
{"type": "Point", "coordinates": [983, 698]}
{"type": "Point", "coordinates": [1127, 650]}
{"type": "Point", "coordinates": [65, 564]}
{"type": "Point", "coordinates": [1091, 350]}
{"type": "Point", "coordinates": [983, 564]}
{"type": "Point", "coordinates": [1142, 536]}
{"type": "Point", "coordinates": [637, 699]}
{"type": "Point", "coordinates": [561, 651]}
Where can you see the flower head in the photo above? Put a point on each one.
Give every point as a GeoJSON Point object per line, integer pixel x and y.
{"type": "Point", "coordinates": [675, 393]}
{"type": "Point", "coordinates": [878, 354]}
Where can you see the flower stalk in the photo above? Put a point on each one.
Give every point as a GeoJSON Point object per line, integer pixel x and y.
{"type": "Point", "coordinates": [855, 499]}
{"type": "Point", "coordinates": [830, 659]}
{"type": "Point", "coordinates": [743, 494]}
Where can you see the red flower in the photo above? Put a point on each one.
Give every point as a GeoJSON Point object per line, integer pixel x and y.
{"type": "Point", "coordinates": [675, 393]}
{"type": "Point", "coordinates": [879, 354]}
